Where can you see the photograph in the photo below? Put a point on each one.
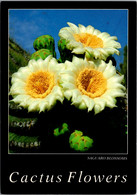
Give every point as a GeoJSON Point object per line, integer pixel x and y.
{"type": "Point", "coordinates": [68, 80]}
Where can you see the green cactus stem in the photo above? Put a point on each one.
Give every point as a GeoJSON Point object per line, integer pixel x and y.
{"type": "Point", "coordinates": [23, 141]}
{"type": "Point", "coordinates": [41, 54]}
{"type": "Point", "coordinates": [22, 124]}
{"type": "Point", "coordinates": [65, 54]}
{"type": "Point", "coordinates": [79, 142]}
{"type": "Point", "coordinates": [61, 131]}
{"type": "Point", "coordinates": [44, 42]}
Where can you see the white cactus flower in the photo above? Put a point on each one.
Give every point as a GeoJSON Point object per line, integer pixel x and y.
{"type": "Point", "coordinates": [91, 84]}
{"type": "Point", "coordinates": [89, 41]}
{"type": "Point", "coordinates": [36, 86]}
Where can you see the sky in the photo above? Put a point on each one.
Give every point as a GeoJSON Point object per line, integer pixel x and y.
{"type": "Point", "coordinates": [26, 25]}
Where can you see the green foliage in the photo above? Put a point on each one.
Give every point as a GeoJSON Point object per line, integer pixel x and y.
{"type": "Point", "coordinates": [123, 66]}
{"type": "Point", "coordinates": [65, 54]}
{"type": "Point", "coordinates": [126, 130]}
{"type": "Point", "coordinates": [17, 57]}
{"type": "Point", "coordinates": [79, 142]}
{"type": "Point", "coordinates": [61, 131]}
{"type": "Point", "coordinates": [23, 141]}
{"type": "Point", "coordinates": [41, 54]}
{"type": "Point", "coordinates": [22, 123]}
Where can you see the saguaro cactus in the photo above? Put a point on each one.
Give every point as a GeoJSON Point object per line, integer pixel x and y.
{"type": "Point", "coordinates": [45, 42]}
{"type": "Point", "coordinates": [79, 142]}
{"type": "Point", "coordinates": [42, 53]}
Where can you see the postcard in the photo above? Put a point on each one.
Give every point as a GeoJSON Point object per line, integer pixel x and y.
{"type": "Point", "coordinates": [68, 97]}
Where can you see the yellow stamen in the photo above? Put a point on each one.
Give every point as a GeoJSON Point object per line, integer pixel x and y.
{"type": "Point", "coordinates": [89, 40]}
{"type": "Point", "coordinates": [39, 84]}
{"type": "Point", "coordinates": [91, 83]}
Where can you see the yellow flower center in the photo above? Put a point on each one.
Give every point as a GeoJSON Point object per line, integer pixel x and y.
{"type": "Point", "coordinates": [39, 84]}
{"type": "Point", "coordinates": [91, 83]}
{"type": "Point", "coordinates": [89, 40]}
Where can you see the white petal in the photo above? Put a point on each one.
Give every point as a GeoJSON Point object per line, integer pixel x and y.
{"type": "Point", "coordinates": [109, 71]}
{"type": "Point", "coordinates": [104, 35]}
{"type": "Point", "coordinates": [82, 106]}
{"type": "Point", "coordinates": [116, 79]}
{"type": "Point", "coordinates": [100, 102]}
{"type": "Point", "coordinates": [102, 51]}
{"type": "Point", "coordinates": [17, 90]}
{"type": "Point", "coordinates": [43, 106]}
{"type": "Point", "coordinates": [57, 91]}
{"type": "Point", "coordinates": [21, 98]}
{"type": "Point", "coordinates": [77, 62]}
{"type": "Point", "coordinates": [25, 102]}
{"type": "Point", "coordinates": [65, 34]}
{"type": "Point", "coordinates": [111, 85]}
{"type": "Point", "coordinates": [89, 102]}
{"type": "Point", "coordinates": [115, 93]}
{"type": "Point", "coordinates": [73, 27]}
{"type": "Point", "coordinates": [20, 76]}
{"type": "Point", "coordinates": [77, 101]}
{"type": "Point", "coordinates": [82, 28]}
{"type": "Point", "coordinates": [24, 70]}
{"type": "Point", "coordinates": [33, 65]}
{"type": "Point", "coordinates": [110, 101]}
{"type": "Point", "coordinates": [51, 99]}
{"type": "Point", "coordinates": [102, 66]}
{"type": "Point", "coordinates": [73, 44]}
{"type": "Point", "coordinates": [78, 50]}
{"type": "Point", "coordinates": [90, 29]}
{"type": "Point", "coordinates": [34, 106]}
{"type": "Point", "coordinates": [68, 94]}
{"type": "Point", "coordinates": [68, 78]}
{"type": "Point", "coordinates": [19, 84]}
{"type": "Point", "coordinates": [75, 94]}
{"type": "Point", "coordinates": [52, 66]}
{"type": "Point", "coordinates": [97, 108]}
{"type": "Point", "coordinates": [86, 100]}
{"type": "Point", "coordinates": [96, 32]}
{"type": "Point", "coordinates": [47, 60]}
{"type": "Point", "coordinates": [111, 50]}
{"type": "Point", "coordinates": [67, 86]}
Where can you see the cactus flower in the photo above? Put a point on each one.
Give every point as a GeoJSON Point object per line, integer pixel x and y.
{"type": "Point", "coordinates": [89, 41]}
{"type": "Point", "coordinates": [35, 86]}
{"type": "Point", "coordinates": [91, 84]}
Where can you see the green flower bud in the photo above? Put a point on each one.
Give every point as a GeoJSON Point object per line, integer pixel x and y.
{"type": "Point", "coordinates": [44, 42]}
{"type": "Point", "coordinates": [42, 53]}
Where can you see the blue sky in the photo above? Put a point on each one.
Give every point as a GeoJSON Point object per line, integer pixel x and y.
{"type": "Point", "coordinates": [26, 25]}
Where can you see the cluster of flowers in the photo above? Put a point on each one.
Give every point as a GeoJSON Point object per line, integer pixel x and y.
{"type": "Point", "coordinates": [89, 83]}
